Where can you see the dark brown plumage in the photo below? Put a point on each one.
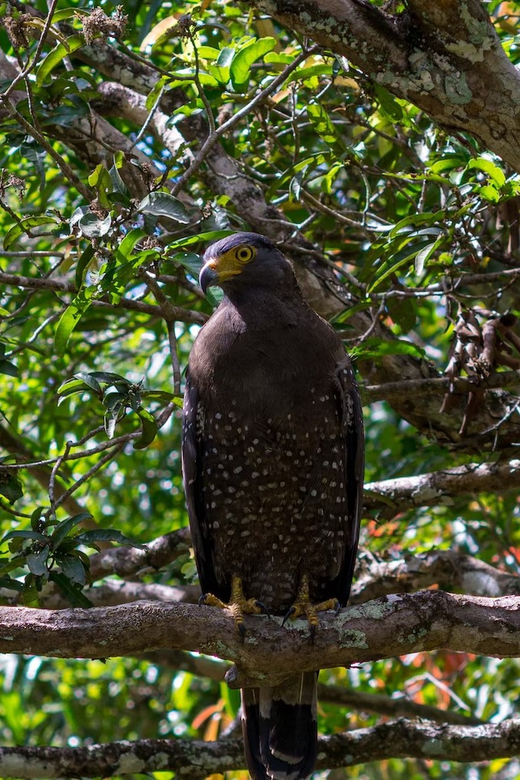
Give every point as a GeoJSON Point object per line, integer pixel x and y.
{"type": "Point", "coordinates": [273, 469]}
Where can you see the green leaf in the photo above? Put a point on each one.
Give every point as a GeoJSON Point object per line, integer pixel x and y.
{"type": "Point", "coordinates": [148, 430]}
{"type": "Point", "coordinates": [10, 564]}
{"type": "Point", "coordinates": [89, 538]}
{"type": "Point", "coordinates": [25, 534]}
{"type": "Point", "coordinates": [158, 395]}
{"type": "Point", "coordinates": [70, 318]}
{"type": "Point", "coordinates": [10, 486]}
{"type": "Point", "coordinates": [64, 528]}
{"type": "Point", "coordinates": [307, 165]}
{"type": "Point", "coordinates": [94, 226]}
{"type": "Point", "coordinates": [25, 226]}
{"type": "Point", "coordinates": [241, 64]}
{"type": "Point", "coordinates": [424, 255]}
{"type": "Point", "coordinates": [220, 68]}
{"type": "Point", "coordinates": [486, 166]}
{"type": "Point", "coordinates": [490, 193]}
{"type": "Point", "coordinates": [37, 562]}
{"type": "Point", "coordinates": [212, 235]}
{"type": "Point", "coordinates": [36, 518]}
{"type": "Point", "coordinates": [414, 220]}
{"type": "Point", "coordinates": [323, 124]}
{"type": "Point", "coordinates": [6, 367]}
{"type": "Point", "coordinates": [374, 348]}
{"type": "Point", "coordinates": [118, 185]}
{"type": "Point", "coordinates": [83, 263]}
{"type": "Point", "coordinates": [155, 92]}
{"type": "Point", "coordinates": [309, 72]}
{"type": "Point", "coordinates": [101, 180]}
{"type": "Point", "coordinates": [65, 13]}
{"type": "Point", "coordinates": [72, 592]}
{"type": "Point", "coordinates": [126, 247]}
{"type": "Point", "coordinates": [56, 56]}
{"type": "Point", "coordinates": [73, 569]}
{"type": "Point", "coordinates": [109, 377]}
{"type": "Point", "coordinates": [388, 103]}
{"type": "Point", "coordinates": [396, 261]}
{"type": "Point", "coordinates": [162, 204]}
{"type": "Point", "coordinates": [403, 311]}
{"type": "Point", "coordinates": [89, 380]}
{"type": "Point", "coordinates": [11, 584]}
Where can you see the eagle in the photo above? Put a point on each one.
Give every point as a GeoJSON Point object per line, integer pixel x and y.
{"type": "Point", "coordinates": [272, 453]}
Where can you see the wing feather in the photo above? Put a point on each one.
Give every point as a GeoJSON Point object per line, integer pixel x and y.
{"type": "Point", "coordinates": [351, 423]}
{"type": "Point", "coordinates": [193, 474]}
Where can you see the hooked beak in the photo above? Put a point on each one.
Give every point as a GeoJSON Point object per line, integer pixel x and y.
{"type": "Point", "coordinates": [208, 277]}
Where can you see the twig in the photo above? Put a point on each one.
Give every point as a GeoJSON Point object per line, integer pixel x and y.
{"type": "Point", "coordinates": [391, 390]}
{"type": "Point", "coordinates": [219, 131]}
{"type": "Point", "coordinates": [101, 462]}
{"type": "Point", "coordinates": [61, 459]}
{"type": "Point", "coordinates": [58, 159]}
{"type": "Point", "coordinates": [39, 48]}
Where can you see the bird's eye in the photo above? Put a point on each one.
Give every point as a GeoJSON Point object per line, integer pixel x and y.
{"type": "Point", "coordinates": [244, 254]}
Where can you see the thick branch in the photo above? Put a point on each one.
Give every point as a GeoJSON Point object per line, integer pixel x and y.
{"type": "Point", "coordinates": [197, 759]}
{"type": "Point", "coordinates": [392, 706]}
{"type": "Point", "coordinates": [384, 628]}
{"type": "Point", "coordinates": [447, 568]}
{"type": "Point", "coordinates": [392, 496]}
{"type": "Point", "coordinates": [125, 561]}
{"type": "Point", "coordinates": [445, 58]}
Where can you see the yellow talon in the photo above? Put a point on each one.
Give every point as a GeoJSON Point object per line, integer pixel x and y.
{"type": "Point", "coordinates": [303, 607]}
{"type": "Point", "coordinates": [238, 604]}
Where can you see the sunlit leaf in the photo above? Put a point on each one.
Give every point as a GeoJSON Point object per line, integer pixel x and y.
{"type": "Point", "coordinates": [245, 57]}
{"type": "Point", "coordinates": [24, 226]}
{"type": "Point", "coordinates": [56, 56]}
{"type": "Point", "coordinates": [70, 318]}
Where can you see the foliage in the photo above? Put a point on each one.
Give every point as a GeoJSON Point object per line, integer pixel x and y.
{"type": "Point", "coordinates": [105, 206]}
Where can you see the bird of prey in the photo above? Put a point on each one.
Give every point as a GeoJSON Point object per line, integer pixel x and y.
{"type": "Point", "coordinates": [273, 472]}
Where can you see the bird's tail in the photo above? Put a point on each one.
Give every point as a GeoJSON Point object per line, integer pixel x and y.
{"type": "Point", "coordinates": [280, 730]}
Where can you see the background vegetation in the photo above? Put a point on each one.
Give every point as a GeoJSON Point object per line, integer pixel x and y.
{"type": "Point", "coordinates": [131, 137]}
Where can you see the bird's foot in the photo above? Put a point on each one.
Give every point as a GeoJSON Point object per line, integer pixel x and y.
{"type": "Point", "coordinates": [303, 607]}
{"type": "Point", "coordinates": [238, 604]}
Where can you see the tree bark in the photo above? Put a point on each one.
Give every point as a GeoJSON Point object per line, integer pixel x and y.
{"type": "Point", "coordinates": [391, 626]}
{"type": "Point", "coordinates": [196, 759]}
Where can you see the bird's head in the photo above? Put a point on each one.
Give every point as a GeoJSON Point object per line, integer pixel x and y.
{"type": "Point", "coordinates": [244, 260]}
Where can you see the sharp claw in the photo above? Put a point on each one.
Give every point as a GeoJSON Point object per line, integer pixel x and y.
{"type": "Point", "coordinates": [312, 632]}
{"type": "Point", "coordinates": [202, 600]}
{"type": "Point", "coordinates": [264, 609]}
{"type": "Point", "coordinates": [241, 630]}
{"type": "Point", "coordinates": [337, 608]}
{"type": "Point", "coordinates": [288, 614]}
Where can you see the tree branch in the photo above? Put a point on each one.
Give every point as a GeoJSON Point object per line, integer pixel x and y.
{"type": "Point", "coordinates": [198, 759]}
{"type": "Point", "coordinates": [447, 568]}
{"type": "Point", "coordinates": [392, 706]}
{"type": "Point", "coordinates": [392, 496]}
{"type": "Point", "coordinates": [393, 391]}
{"type": "Point", "coordinates": [446, 59]}
{"type": "Point", "coordinates": [384, 628]}
{"type": "Point", "coordinates": [126, 561]}
{"type": "Point", "coordinates": [63, 285]}
{"type": "Point", "coordinates": [342, 696]}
